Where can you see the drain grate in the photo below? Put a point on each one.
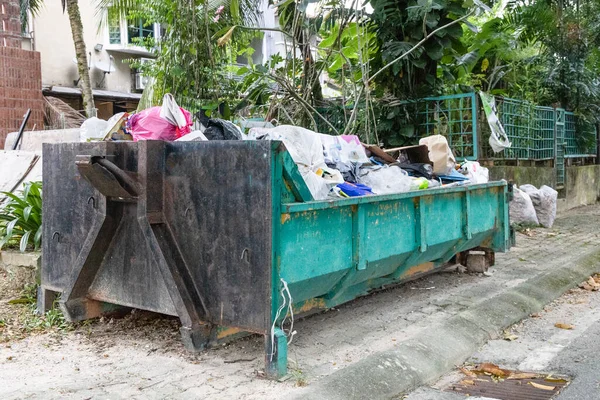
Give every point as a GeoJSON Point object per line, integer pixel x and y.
{"type": "Point", "coordinates": [537, 387]}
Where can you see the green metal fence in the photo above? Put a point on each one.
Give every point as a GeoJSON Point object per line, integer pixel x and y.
{"type": "Point", "coordinates": [532, 132]}
{"type": "Point", "coordinates": [454, 116]}
{"type": "Point", "coordinates": [530, 129]}
{"type": "Point", "coordinates": [580, 139]}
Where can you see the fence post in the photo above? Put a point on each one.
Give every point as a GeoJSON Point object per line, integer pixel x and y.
{"type": "Point", "coordinates": [597, 161]}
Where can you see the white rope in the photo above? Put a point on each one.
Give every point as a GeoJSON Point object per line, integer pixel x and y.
{"type": "Point", "coordinates": [291, 331]}
{"type": "Point", "coordinates": [290, 310]}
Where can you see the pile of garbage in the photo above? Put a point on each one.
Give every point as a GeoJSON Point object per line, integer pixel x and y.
{"type": "Point", "coordinates": [332, 166]}
{"type": "Point", "coordinates": [533, 206]}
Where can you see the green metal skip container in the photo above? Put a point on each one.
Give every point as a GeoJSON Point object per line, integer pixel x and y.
{"type": "Point", "coordinates": [225, 235]}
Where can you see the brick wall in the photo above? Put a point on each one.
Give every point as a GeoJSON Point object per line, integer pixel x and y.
{"type": "Point", "coordinates": [10, 23]}
{"type": "Point", "coordinates": [20, 75]}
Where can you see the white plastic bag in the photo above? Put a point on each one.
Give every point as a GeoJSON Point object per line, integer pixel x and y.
{"type": "Point", "coordinates": [307, 152]}
{"type": "Point", "coordinates": [193, 136]}
{"type": "Point", "coordinates": [386, 179]}
{"type": "Point", "coordinates": [171, 111]}
{"type": "Point", "coordinates": [521, 209]}
{"type": "Point", "coordinates": [93, 129]}
{"type": "Point", "coordinates": [440, 154]}
{"type": "Point", "coordinates": [475, 172]}
{"type": "Point", "coordinates": [544, 201]}
{"type": "Point", "coordinates": [343, 149]}
{"type": "Point", "coordinates": [498, 138]}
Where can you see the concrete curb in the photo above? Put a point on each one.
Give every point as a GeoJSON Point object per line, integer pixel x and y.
{"type": "Point", "coordinates": [418, 361]}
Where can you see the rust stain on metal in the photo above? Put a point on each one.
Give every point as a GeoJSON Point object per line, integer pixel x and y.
{"type": "Point", "coordinates": [418, 269]}
{"type": "Point", "coordinates": [310, 305]}
{"type": "Point", "coordinates": [228, 332]}
{"type": "Point", "coordinates": [285, 218]}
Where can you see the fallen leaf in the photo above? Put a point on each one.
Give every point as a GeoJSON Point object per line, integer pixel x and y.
{"type": "Point", "coordinates": [468, 372]}
{"type": "Point", "coordinates": [563, 326]}
{"type": "Point", "coordinates": [510, 337]}
{"type": "Point", "coordinates": [590, 285]}
{"type": "Point", "coordinates": [543, 387]}
{"type": "Point", "coordinates": [467, 382]}
{"type": "Point", "coordinates": [523, 375]}
{"type": "Point", "coordinates": [492, 369]}
{"type": "Point", "coordinates": [19, 301]}
{"type": "Point", "coordinates": [555, 380]}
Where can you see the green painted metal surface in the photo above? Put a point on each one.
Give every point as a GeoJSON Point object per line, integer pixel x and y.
{"type": "Point", "coordinates": [559, 161]}
{"type": "Point", "coordinates": [382, 237]}
{"type": "Point", "coordinates": [322, 243]}
{"type": "Point", "coordinates": [332, 251]}
{"type": "Point", "coordinates": [574, 146]}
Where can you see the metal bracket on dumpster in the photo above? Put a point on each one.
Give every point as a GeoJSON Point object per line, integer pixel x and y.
{"type": "Point", "coordinates": [105, 176]}
{"type": "Point", "coordinates": [146, 190]}
{"type": "Point", "coordinates": [183, 289]}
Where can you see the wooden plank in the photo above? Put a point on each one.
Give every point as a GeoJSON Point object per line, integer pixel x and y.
{"type": "Point", "coordinates": [14, 166]}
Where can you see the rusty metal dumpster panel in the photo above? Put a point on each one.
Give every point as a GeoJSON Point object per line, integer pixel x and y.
{"type": "Point", "coordinates": [219, 216]}
{"type": "Point", "coordinates": [226, 235]}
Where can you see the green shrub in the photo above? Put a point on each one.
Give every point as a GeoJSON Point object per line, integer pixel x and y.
{"type": "Point", "coordinates": [21, 218]}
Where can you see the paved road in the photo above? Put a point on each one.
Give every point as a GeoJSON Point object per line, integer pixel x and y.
{"type": "Point", "coordinates": [542, 347]}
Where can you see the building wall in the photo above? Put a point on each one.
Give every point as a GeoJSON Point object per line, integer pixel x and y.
{"type": "Point", "coordinates": [20, 75]}
{"type": "Point", "coordinates": [53, 39]}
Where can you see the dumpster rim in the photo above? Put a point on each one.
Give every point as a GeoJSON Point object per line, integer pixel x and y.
{"type": "Point", "coordinates": [324, 204]}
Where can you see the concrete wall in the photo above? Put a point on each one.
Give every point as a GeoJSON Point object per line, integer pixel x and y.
{"type": "Point", "coordinates": [33, 140]}
{"type": "Point", "coordinates": [582, 186]}
{"type": "Point", "coordinates": [582, 183]}
{"type": "Point", "coordinates": [536, 176]}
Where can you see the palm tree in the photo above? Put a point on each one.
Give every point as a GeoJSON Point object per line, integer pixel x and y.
{"type": "Point", "coordinates": [72, 8]}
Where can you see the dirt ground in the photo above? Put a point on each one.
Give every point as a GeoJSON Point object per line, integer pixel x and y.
{"type": "Point", "coordinates": [140, 355]}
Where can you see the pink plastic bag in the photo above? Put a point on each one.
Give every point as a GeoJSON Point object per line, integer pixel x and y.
{"type": "Point", "coordinates": [149, 125]}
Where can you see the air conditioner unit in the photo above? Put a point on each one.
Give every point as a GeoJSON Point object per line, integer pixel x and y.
{"type": "Point", "coordinates": [140, 81]}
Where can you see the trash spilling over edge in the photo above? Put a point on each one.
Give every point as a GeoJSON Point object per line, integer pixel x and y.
{"type": "Point", "coordinates": [331, 166]}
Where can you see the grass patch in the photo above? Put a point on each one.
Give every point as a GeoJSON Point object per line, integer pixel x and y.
{"type": "Point", "coordinates": [19, 317]}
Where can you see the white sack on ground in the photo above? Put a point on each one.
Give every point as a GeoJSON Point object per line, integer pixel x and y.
{"type": "Point", "coordinates": [521, 209]}
{"type": "Point", "coordinates": [544, 201]}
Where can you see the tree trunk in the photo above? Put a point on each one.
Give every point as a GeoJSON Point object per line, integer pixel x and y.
{"type": "Point", "coordinates": [81, 55]}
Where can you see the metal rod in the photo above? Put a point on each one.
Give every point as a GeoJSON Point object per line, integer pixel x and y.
{"type": "Point", "coordinates": [128, 182]}
{"type": "Point", "coordinates": [22, 128]}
